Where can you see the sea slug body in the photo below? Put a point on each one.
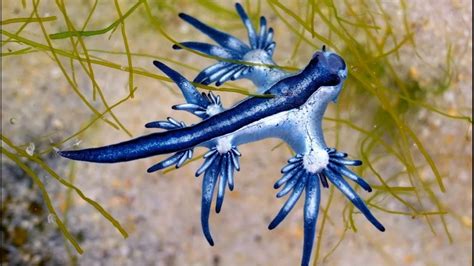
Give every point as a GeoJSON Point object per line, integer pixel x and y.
{"type": "Point", "coordinates": [293, 113]}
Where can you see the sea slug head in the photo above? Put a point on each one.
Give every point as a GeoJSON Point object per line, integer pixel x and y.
{"type": "Point", "coordinates": [328, 66]}
{"type": "Point", "coordinates": [329, 71]}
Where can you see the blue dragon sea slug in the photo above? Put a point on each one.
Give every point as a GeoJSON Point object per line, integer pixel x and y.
{"type": "Point", "coordinates": [293, 112]}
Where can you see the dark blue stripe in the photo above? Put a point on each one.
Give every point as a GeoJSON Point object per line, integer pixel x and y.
{"type": "Point", "coordinates": [288, 94]}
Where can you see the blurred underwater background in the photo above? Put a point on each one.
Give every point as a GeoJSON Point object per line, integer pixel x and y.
{"type": "Point", "coordinates": [79, 74]}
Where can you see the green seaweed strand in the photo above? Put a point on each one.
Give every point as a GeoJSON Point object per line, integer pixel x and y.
{"type": "Point", "coordinates": [67, 184]}
{"type": "Point", "coordinates": [67, 34]}
{"type": "Point", "coordinates": [46, 199]}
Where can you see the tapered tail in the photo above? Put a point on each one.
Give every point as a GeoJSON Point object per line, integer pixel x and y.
{"type": "Point", "coordinates": [142, 147]}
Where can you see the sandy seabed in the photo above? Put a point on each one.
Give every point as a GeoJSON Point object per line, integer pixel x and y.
{"type": "Point", "coordinates": [161, 211]}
